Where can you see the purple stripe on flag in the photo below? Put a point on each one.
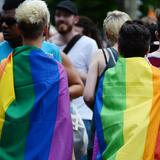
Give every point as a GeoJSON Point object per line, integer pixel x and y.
{"type": "Point", "coordinates": [96, 148]}
{"type": "Point", "coordinates": [62, 140]}
{"type": "Point", "coordinates": [42, 112]}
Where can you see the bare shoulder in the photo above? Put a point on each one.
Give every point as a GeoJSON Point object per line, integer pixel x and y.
{"type": "Point", "coordinates": [99, 60]}
{"type": "Point", "coordinates": [99, 56]}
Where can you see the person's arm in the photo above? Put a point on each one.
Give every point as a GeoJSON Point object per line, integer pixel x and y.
{"type": "Point", "coordinates": [95, 69]}
{"type": "Point", "coordinates": [90, 86]}
{"type": "Point", "coordinates": [83, 76]}
{"type": "Point", "coordinates": [75, 83]}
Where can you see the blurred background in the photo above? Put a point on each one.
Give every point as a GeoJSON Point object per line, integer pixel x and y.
{"type": "Point", "coordinates": [97, 9]}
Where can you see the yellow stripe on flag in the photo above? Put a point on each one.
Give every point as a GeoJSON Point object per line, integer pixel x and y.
{"type": "Point", "coordinates": [139, 94]}
{"type": "Point", "coordinates": [7, 94]}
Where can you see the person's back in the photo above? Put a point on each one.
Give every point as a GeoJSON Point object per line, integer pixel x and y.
{"type": "Point", "coordinates": [102, 58]}
{"type": "Point", "coordinates": [40, 105]}
{"type": "Point", "coordinates": [36, 103]}
{"type": "Point", "coordinates": [125, 117]}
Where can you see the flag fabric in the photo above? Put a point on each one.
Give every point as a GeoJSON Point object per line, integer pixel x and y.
{"type": "Point", "coordinates": [127, 111]}
{"type": "Point", "coordinates": [35, 121]}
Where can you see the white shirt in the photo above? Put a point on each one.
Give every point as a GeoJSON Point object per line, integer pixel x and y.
{"type": "Point", "coordinates": [80, 55]}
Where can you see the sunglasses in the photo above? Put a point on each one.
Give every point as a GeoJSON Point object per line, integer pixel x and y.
{"type": "Point", "coordinates": [8, 21]}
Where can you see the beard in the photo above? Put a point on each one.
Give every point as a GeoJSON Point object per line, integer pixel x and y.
{"type": "Point", "coordinates": [64, 28]}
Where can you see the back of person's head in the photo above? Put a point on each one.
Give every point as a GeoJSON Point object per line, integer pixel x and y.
{"type": "Point", "coordinates": [148, 20]}
{"type": "Point", "coordinates": [158, 20]}
{"type": "Point", "coordinates": [112, 24]}
{"type": "Point", "coordinates": [134, 39]}
{"type": "Point", "coordinates": [87, 24]}
{"type": "Point", "coordinates": [158, 29]}
{"type": "Point", "coordinates": [11, 4]}
{"type": "Point", "coordinates": [158, 13]}
{"type": "Point", "coordinates": [32, 17]}
{"type": "Point", "coordinates": [89, 29]}
{"type": "Point", "coordinates": [151, 24]}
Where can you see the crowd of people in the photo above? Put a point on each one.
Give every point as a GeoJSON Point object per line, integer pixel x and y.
{"type": "Point", "coordinates": [66, 96]}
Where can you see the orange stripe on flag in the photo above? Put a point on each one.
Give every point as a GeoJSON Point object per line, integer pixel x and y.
{"type": "Point", "coordinates": [7, 94]}
{"type": "Point", "coordinates": [3, 64]}
{"type": "Point", "coordinates": [153, 127]}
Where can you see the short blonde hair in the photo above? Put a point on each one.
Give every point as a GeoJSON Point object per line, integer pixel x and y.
{"type": "Point", "coordinates": [32, 17]}
{"type": "Point", "coordinates": [112, 24]}
{"type": "Point", "coordinates": [33, 12]}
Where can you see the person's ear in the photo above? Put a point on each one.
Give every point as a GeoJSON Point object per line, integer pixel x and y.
{"type": "Point", "coordinates": [76, 19]}
{"type": "Point", "coordinates": [46, 32]}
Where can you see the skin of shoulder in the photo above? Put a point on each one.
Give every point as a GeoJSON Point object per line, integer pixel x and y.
{"type": "Point", "coordinates": [76, 86]}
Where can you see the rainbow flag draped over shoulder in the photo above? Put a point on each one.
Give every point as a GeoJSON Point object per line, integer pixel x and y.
{"type": "Point", "coordinates": [127, 111]}
{"type": "Point", "coordinates": [35, 121]}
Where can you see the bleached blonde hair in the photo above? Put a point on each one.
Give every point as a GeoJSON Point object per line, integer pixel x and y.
{"type": "Point", "coordinates": [33, 12]}
{"type": "Point", "coordinates": [32, 18]}
{"type": "Point", "coordinates": [112, 24]}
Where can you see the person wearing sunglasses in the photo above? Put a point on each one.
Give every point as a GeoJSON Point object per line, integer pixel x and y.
{"type": "Point", "coordinates": [13, 39]}
{"type": "Point", "coordinates": [10, 31]}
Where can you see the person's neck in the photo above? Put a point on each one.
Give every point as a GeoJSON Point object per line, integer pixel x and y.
{"type": "Point", "coordinates": [29, 42]}
{"type": "Point", "coordinates": [15, 42]}
{"type": "Point", "coordinates": [115, 46]}
{"type": "Point", "coordinates": [68, 36]}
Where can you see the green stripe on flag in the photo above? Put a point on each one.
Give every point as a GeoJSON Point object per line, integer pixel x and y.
{"type": "Point", "coordinates": [16, 123]}
{"type": "Point", "coordinates": [114, 97]}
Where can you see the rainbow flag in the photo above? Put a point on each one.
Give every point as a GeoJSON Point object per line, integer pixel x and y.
{"type": "Point", "coordinates": [35, 121]}
{"type": "Point", "coordinates": [127, 111]}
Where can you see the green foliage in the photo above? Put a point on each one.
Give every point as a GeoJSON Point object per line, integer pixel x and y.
{"type": "Point", "coordinates": [95, 9]}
